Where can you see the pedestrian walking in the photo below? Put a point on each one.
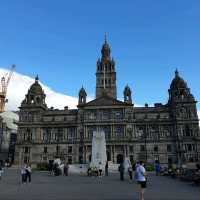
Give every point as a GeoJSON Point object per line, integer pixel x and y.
{"type": "Point", "coordinates": [136, 174]}
{"type": "Point", "coordinates": [121, 171]}
{"type": "Point", "coordinates": [141, 173]}
{"type": "Point", "coordinates": [50, 166]}
{"type": "Point", "coordinates": [66, 169]}
{"type": "Point", "coordinates": [130, 172]}
{"type": "Point", "coordinates": [157, 168]}
{"type": "Point", "coordinates": [23, 174]}
{"type": "Point", "coordinates": [106, 168]}
{"type": "Point", "coordinates": [28, 173]}
{"type": "Point", "coordinates": [1, 172]}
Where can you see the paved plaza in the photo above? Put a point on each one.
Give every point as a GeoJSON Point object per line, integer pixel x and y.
{"type": "Point", "coordinates": [79, 187]}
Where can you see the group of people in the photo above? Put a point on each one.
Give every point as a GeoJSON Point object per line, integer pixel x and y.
{"type": "Point", "coordinates": [26, 173]}
{"type": "Point", "coordinates": [140, 175]}
{"type": "Point", "coordinates": [3, 165]}
{"type": "Point", "coordinates": [58, 168]}
{"type": "Point", "coordinates": [97, 171]}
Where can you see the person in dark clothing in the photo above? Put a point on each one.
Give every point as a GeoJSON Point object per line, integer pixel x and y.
{"type": "Point", "coordinates": [28, 173]}
{"type": "Point", "coordinates": [121, 171]}
{"type": "Point", "coordinates": [89, 171]}
{"type": "Point", "coordinates": [130, 172]}
{"type": "Point", "coordinates": [66, 169]}
{"type": "Point", "coordinates": [57, 171]}
{"type": "Point", "coordinates": [106, 169]}
{"type": "Point", "coordinates": [51, 167]}
{"type": "Point", "coordinates": [157, 168]}
{"type": "Point", "coordinates": [1, 171]}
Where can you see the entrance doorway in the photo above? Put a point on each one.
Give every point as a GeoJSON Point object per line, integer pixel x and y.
{"type": "Point", "coordinates": [108, 156]}
{"type": "Point", "coordinates": [120, 158]}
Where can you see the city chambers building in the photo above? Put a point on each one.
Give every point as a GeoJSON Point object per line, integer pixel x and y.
{"type": "Point", "coordinates": [165, 132]}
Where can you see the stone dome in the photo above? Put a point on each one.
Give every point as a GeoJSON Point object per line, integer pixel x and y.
{"type": "Point", "coordinates": [178, 82]}
{"type": "Point", "coordinates": [36, 88]}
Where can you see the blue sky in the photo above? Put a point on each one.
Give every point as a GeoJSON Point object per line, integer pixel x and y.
{"type": "Point", "coordinates": [61, 40]}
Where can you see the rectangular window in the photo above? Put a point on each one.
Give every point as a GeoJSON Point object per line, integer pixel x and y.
{"type": "Point", "coordinates": [131, 149]}
{"type": "Point", "coordinates": [142, 148]}
{"type": "Point", "coordinates": [71, 132]}
{"type": "Point", "coordinates": [26, 149]}
{"type": "Point", "coordinates": [119, 131]}
{"type": "Point", "coordinates": [70, 149]}
{"type": "Point", "coordinates": [169, 148]}
{"type": "Point", "coordinates": [57, 149]}
{"type": "Point", "coordinates": [80, 149]}
{"type": "Point", "coordinates": [60, 134]}
{"type": "Point", "coordinates": [156, 148]}
{"type": "Point", "coordinates": [117, 114]}
{"type": "Point", "coordinates": [45, 149]}
{"type": "Point", "coordinates": [91, 129]}
{"type": "Point", "coordinates": [189, 147]}
{"type": "Point", "coordinates": [107, 131]}
{"type": "Point", "coordinates": [105, 115]}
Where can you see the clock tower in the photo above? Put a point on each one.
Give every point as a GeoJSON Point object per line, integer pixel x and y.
{"type": "Point", "coordinates": [105, 74]}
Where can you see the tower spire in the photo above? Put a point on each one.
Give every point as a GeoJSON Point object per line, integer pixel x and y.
{"type": "Point", "coordinates": [105, 38]}
{"type": "Point", "coordinates": [105, 51]}
{"type": "Point", "coordinates": [106, 75]}
{"type": "Point", "coordinates": [176, 73]}
{"type": "Point", "coordinates": [37, 78]}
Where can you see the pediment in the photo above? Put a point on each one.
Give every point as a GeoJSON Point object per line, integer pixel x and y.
{"type": "Point", "coordinates": [105, 101]}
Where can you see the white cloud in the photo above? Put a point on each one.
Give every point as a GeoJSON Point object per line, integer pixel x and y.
{"type": "Point", "coordinates": [18, 88]}
{"type": "Point", "coordinates": [198, 113]}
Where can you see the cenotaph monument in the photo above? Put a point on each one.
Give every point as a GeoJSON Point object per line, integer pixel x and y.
{"type": "Point", "coordinates": [99, 156]}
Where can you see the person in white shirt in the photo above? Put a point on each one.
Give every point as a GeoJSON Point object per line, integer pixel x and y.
{"type": "Point", "coordinates": [1, 171]}
{"type": "Point", "coordinates": [23, 174]}
{"type": "Point", "coordinates": [141, 173]}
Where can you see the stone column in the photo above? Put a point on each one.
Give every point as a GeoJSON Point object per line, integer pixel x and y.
{"type": "Point", "coordinates": [113, 152]}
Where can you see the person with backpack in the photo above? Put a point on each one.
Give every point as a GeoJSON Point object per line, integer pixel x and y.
{"type": "Point", "coordinates": [141, 178]}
